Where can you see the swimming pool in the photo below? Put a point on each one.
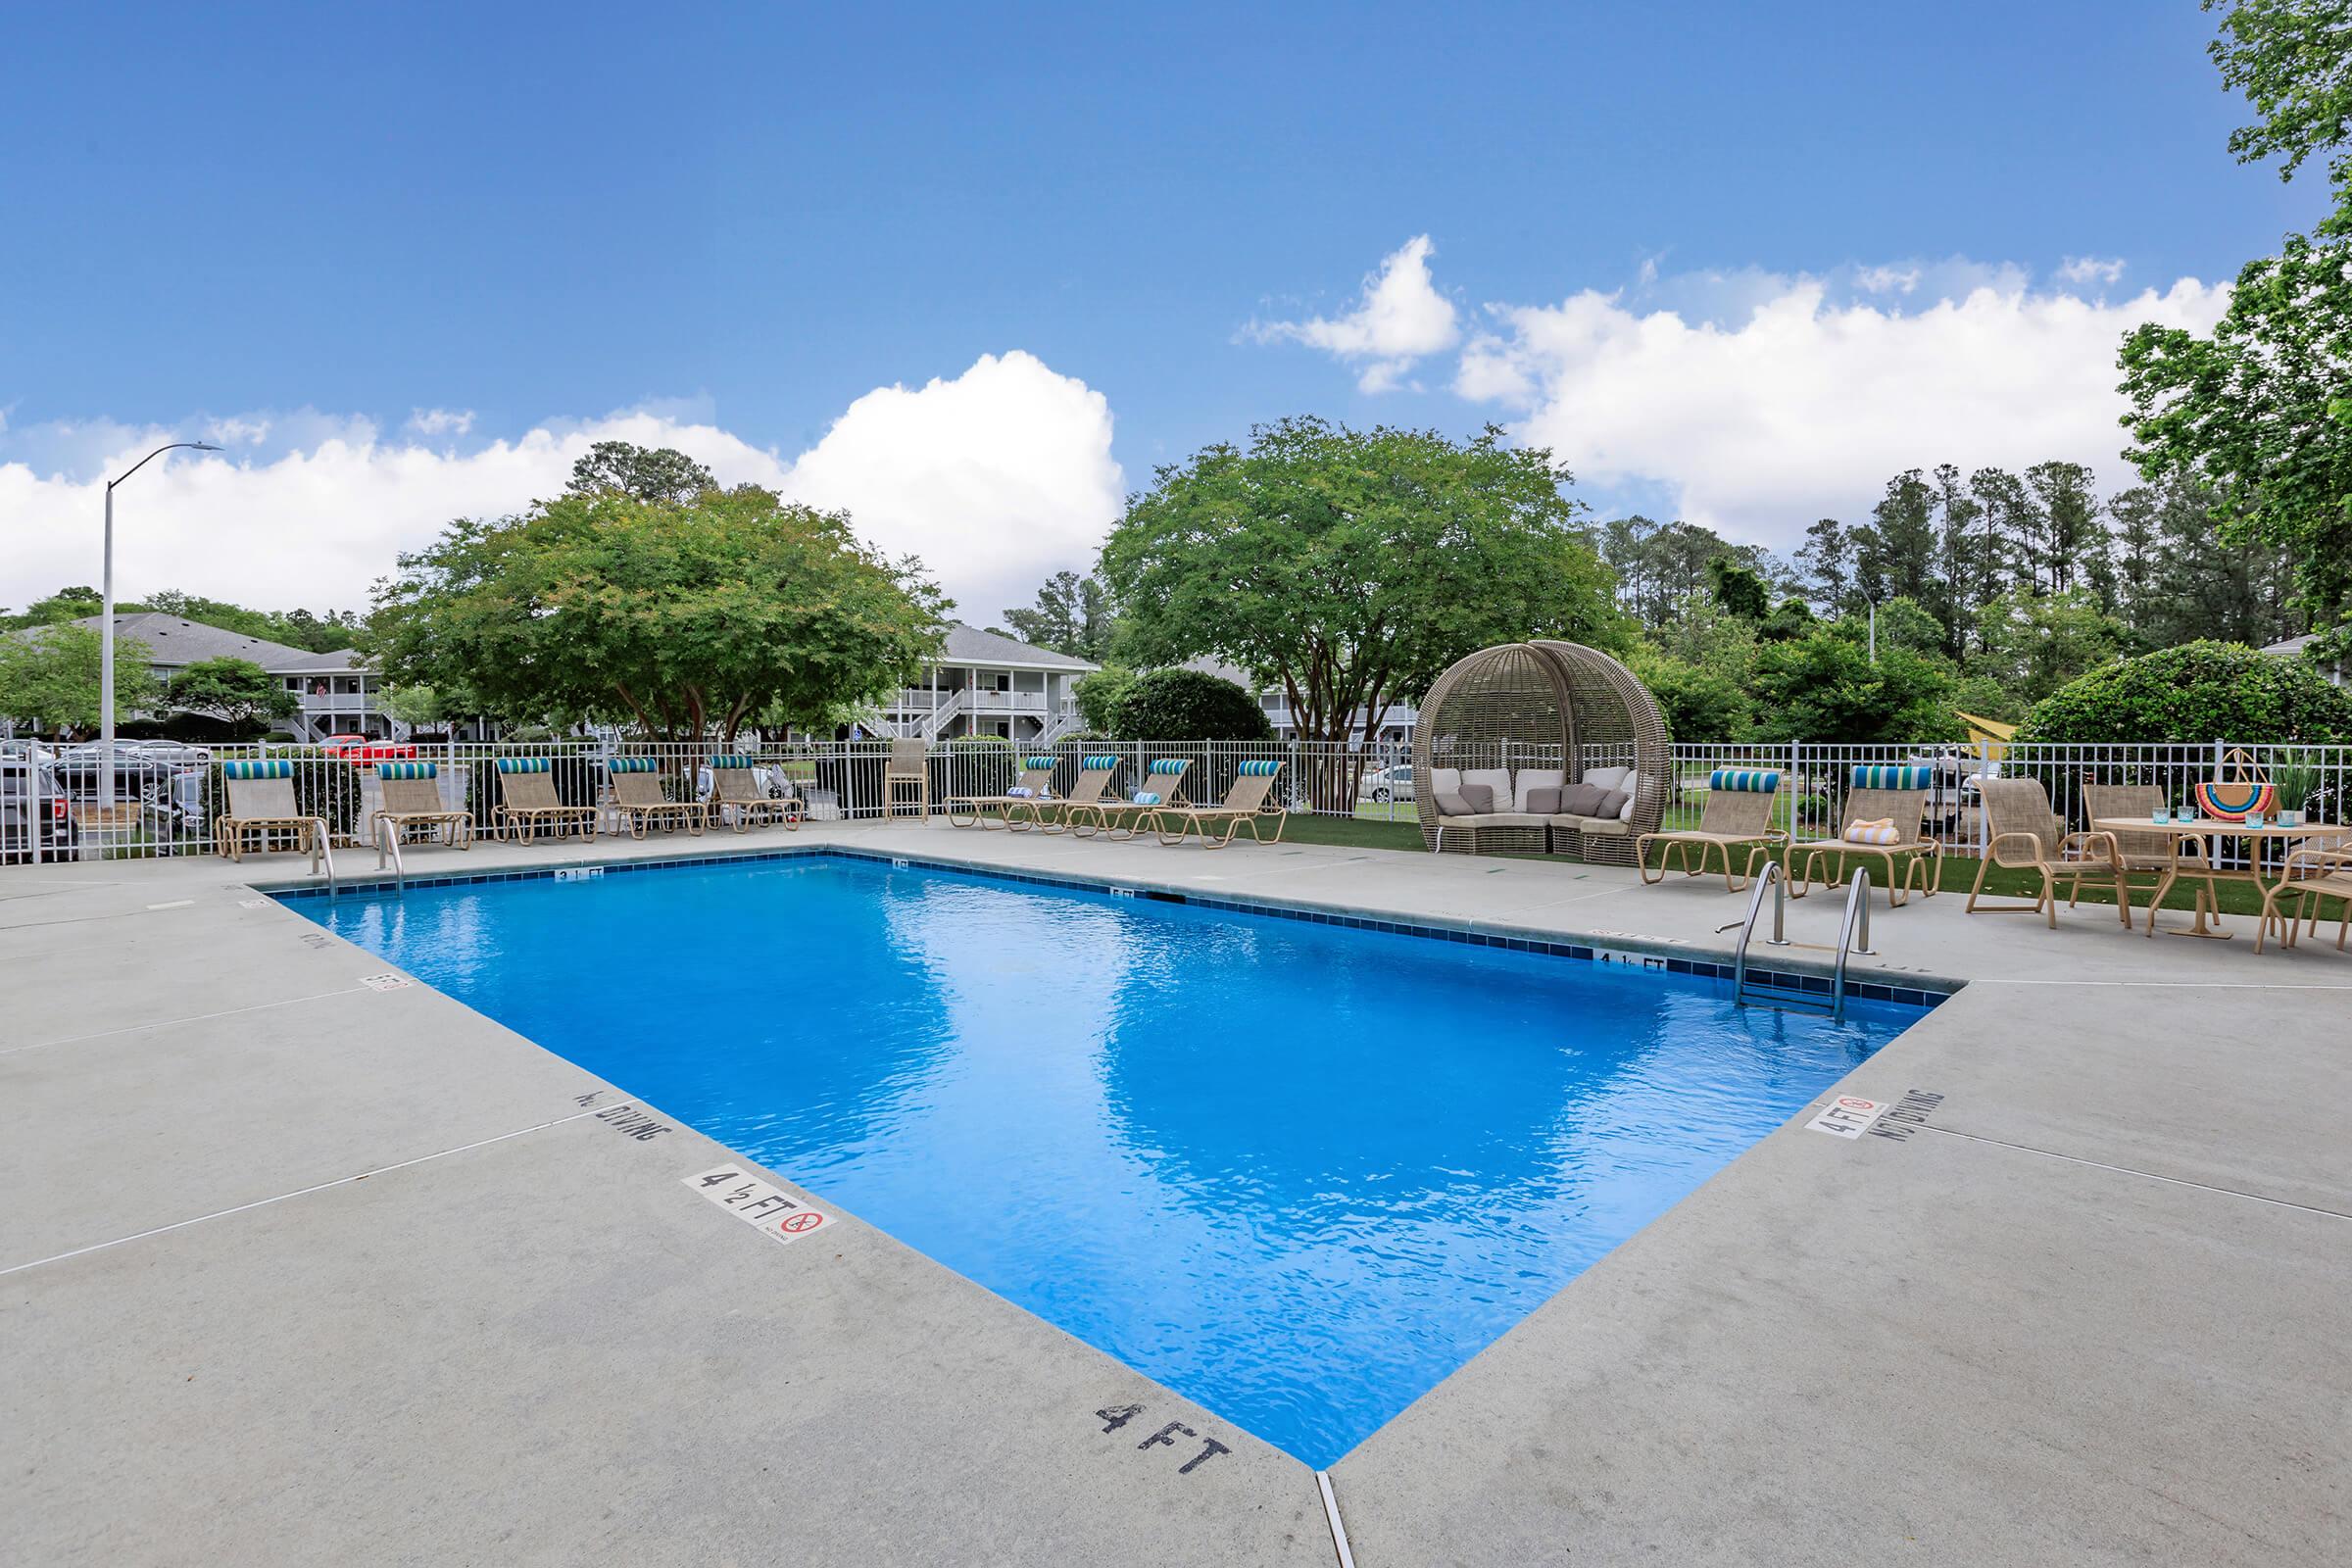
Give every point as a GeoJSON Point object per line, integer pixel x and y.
{"type": "Point", "coordinates": [1297, 1172]}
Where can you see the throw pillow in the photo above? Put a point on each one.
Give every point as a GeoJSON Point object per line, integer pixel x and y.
{"type": "Point", "coordinates": [1481, 798]}
{"type": "Point", "coordinates": [1612, 804]}
{"type": "Point", "coordinates": [1582, 800]}
{"type": "Point", "coordinates": [1544, 800]}
{"type": "Point", "coordinates": [1451, 804]}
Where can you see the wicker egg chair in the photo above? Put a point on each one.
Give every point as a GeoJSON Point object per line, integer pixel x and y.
{"type": "Point", "coordinates": [1542, 704]}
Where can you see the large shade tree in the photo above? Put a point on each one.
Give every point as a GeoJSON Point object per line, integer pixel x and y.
{"type": "Point", "coordinates": [49, 675]}
{"type": "Point", "coordinates": [685, 617]}
{"type": "Point", "coordinates": [1351, 568]}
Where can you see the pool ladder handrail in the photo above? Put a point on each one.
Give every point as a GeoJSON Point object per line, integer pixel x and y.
{"type": "Point", "coordinates": [1853, 934]}
{"type": "Point", "coordinates": [387, 836]}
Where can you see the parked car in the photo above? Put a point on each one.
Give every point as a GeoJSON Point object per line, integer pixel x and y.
{"type": "Point", "coordinates": [1389, 783]}
{"type": "Point", "coordinates": [33, 814]}
{"type": "Point", "coordinates": [365, 751]}
{"type": "Point", "coordinates": [143, 769]}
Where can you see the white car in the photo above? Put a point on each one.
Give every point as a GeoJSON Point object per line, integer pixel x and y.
{"type": "Point", "coordinates": [1389, 783]}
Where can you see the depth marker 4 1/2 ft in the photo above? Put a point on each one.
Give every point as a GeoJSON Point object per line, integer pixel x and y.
{"type": "Point", "coordinates": [775, 1213]}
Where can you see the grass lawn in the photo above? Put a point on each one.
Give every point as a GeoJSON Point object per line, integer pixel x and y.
{"type": "Point", "coordinates": [1959, 871]}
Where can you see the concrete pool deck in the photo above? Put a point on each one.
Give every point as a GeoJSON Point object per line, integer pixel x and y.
{"type": "Point", "coordinates": [295, 1271]}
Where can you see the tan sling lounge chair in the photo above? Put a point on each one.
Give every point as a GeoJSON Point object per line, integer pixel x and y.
{"type": "Point", "coordinates": [1738, 812]}
{"type": "Point", "coordinates": [2023, 834]}
{"type": "Point", "coordinates": [637, 797]}
{"type": "Point", "coordinates": [261, 800]}
{"type": "Point", "coordinates": [1095, 774]}
{"type": "Point", "coordinates": [1897, 795]}
{"type": "Point", "coordinates": [527, 803]}
{"type": "Point", "coordinates": [1034, 786]}
{"type": "Point", "coordinates": [735, 787]}
{"type": "Point", "coordinates": [1162, 787]}
{"type": "Point", "coordinates": [411, 801]}
{"type": "Point", "coordinates": [909, 770]}
{"type": "Point", "coordinates": [1244, 805]}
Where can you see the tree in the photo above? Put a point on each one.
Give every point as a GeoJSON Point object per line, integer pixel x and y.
{"type": "Point", "coordinates": [2261, 411]}
{"type": "Point", "coordinates": [1824, 687]}
{"type": "Point", "coordinates": [2198, 691]}
{"type": "Point", "coordinates": [1351, 568]}
{"type": "Point", "coordinates": [2031, 644]}
{"type": "Point", "coordinates": [49, 675]}
{"type": "Point", "coordinates": [1072, 617]}
{"type": "Point", "coordinates": [1904, 623]}
{"type": "Point", "coordinates": [1097, 696]}
{"type": "Point", "coordinates": [657, 474]}
{"type": "Point", "coordinates": [1741, 589]}
{"type": "Point", "coordinates": [1826, 565]}
{"type": "Point", "coordinates": [413, 704]}
{"type": "Point", "coordinates": [680, 617]}
{"type": "Point", "coordinates": [236, 691]}
{"type": "Point", "coordinates": [1698, 703]}
{"type": "Point", "coordinates": [1188, 705]}
{"type": "Point", "coordinates": [67, 603]}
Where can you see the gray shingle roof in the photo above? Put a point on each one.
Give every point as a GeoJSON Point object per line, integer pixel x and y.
{"type": "Point", "coordinates": [968, 646]}
{"type": "Point", "coordinates": [176, 641]}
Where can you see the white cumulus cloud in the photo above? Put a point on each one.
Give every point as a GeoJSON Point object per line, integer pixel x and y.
{"type": "Point", "coordinates": [996, 477]}
{"type": "Point", "coordinates": [2091, 269]}
{"type": "Point", "coordinates": [1399, 319]}
{"type": "Point", "coordinates": [1805, 405]}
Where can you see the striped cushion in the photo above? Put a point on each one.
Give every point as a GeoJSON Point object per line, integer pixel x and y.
{"type": "Point", "coordinates": [273, 769]}
{"type": "Point", "coordinates": [1882, 831]}
{"type": "Point", "coordinates": [1167, 765]}
{"type": "Point", "coordinates": [1037, 761]}
{"type": "Point", "coordinates": [1020, 792]}
{"type": "Point", "coordinates": [526, 764]}
{"type": "Point", "coordinates": [1098, 764]}
{"type": "Point", "coordinates": [735, 759]}
{"type": "Point", "coordinates": [1881, 776]}
{"type": "Point", "coordinates": [1146, 797]}
{"type": "Point", "coordinates": [2235, 799]}
{"type": "Point", "coordinates": [1261, 769]}
{"type": "Point", "coordinates": [633, 764]}
{"type": "Point", "coordinates": [1749, 780]}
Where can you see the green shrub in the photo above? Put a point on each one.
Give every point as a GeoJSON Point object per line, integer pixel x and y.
{"type": "Point", "coordinates": [1185, 704]}
{"type": "Point", "coordinates": [2201, 691]}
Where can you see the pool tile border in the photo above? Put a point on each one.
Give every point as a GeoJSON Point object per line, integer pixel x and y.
{"type": "Point", "coordinates": [1797, 983]}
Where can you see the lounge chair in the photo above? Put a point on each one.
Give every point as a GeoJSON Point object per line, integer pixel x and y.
{"type": "Point", "coordinates": [735, 787]}
{"type": "Point", "coordinates": [2311, 874]}
{"type": "Point", "coordinates": [635, 784]}
{"type": "Point", "coordinates": [1244, 805]}
{"type": "Point", "coordinates": [1035, 784]}
{"type": "Point", "coordinates": [1162, 786]}
{"type": "Point", "coordinates": [909, 768]}
{"type": "Point", "coordinates": [527, 803]}
{"type": "Point", "coordinates": [261, 800]}
{"type": "Point", "coordinates": [1095, 774]}
{"type": "Point", "coordinates": [1738, 812]}
{"type": "Point", "coordinates": [1888, 806]}
{"type": "Point", "coordinates": [410, 801]}
{"type": "Point", "coordinates": [2026, 834]}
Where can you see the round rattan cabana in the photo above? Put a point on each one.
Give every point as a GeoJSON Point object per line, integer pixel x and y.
{"type": "Point", "coordinates": [1548, 706]}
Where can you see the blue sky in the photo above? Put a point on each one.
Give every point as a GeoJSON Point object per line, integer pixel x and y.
{"type": "Point", "coordinates": [747, 217]}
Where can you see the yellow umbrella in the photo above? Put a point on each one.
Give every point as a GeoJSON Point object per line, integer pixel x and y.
{"type": "Point", "coordinates": [1990, 734]}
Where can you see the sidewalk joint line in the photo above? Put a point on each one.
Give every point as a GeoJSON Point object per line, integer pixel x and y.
{"type": "Point", "coordinates": [2149, 1175]}
{"type": "Point", "coordinates": [194, 1017]}
{"type": "Point", "coordinates": [302, 1192]}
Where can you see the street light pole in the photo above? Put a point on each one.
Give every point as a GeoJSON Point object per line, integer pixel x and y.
{"type": "Point", "coordinates": [105, 635]}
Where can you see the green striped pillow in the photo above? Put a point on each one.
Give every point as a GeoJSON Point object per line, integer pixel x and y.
{"type": "Point", "coordinates": [1261, 769]}
{"type": "Point", "coordinates": [1745, 780]}
{"type": "Point", "coordinates": [407, 769]}
{"type": "Point", "coordinates": [526, 764]}
{"type": "Point", "coordinates": [1893, 776]}
{"type": "Point", "coordinates": [1098, 764]}
{"type": "Point", "coordinates": [633, 764]}
{"type": "Point", "coordinates": [1167, 765]}
{"type": "Point", "coordinates": [1036, 762]}
{"type": "Point", "coordinates": [735, 759]}
{"type": "Point", "coordinates": [270, 769]}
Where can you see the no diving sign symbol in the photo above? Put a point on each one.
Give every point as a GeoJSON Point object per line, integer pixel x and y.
{"type": "Point", "coordinates": [1846, 1116]}
{"type": "Point", "coordinates": [775, 1212]}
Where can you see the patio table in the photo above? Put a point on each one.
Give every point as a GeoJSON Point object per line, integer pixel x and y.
{"type": "Point", "coordinates": [2198, 831]}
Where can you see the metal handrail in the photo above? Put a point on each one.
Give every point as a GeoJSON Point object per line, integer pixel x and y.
{"type": "Point", "coordinates": [1853, 928]}
{"type": "Point", "coordinates": [322, 849]}
{"type": "Point", "coordinates": [387, 837]}
{"type": "Point", "coordinates": [1772, 874]}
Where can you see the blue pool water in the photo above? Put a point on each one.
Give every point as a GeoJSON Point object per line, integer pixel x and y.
{"type": "Point", "coordinates": [1296, 1172]}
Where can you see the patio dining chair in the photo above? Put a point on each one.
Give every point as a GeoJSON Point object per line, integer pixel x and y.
{"type": "Point", "coordinates": [2026, 834]}
{"type": "Point", "coordinates": [2310, 876]}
